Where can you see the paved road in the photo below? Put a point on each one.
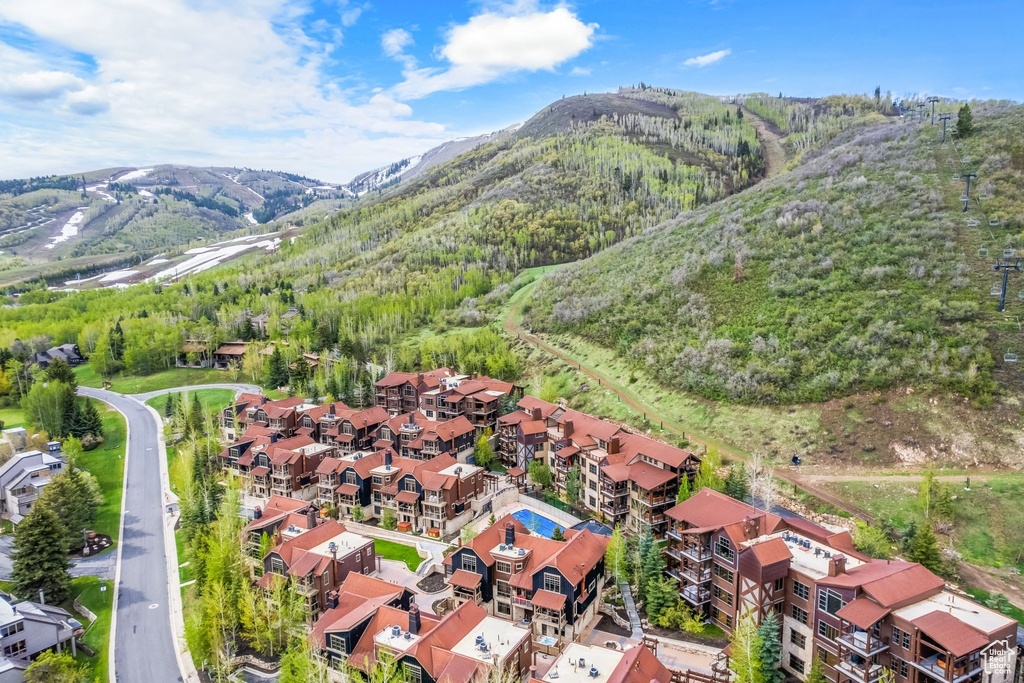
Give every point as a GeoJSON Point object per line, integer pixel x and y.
{"type": "Point", "coordinates": [143, 643]}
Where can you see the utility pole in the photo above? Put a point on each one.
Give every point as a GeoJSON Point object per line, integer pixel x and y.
{"type": "Point", "coordinates": [1005, 265]}
{"type": "Point", "coordinates": [967, 191]}
{"type": "Point", "coordinates": [944, 118]}
{"type": "Point", "coordinates": [933, 100]}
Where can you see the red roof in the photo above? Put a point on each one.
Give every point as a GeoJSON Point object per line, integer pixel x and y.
{"type": "Point", "coordinates": [407, 497]}
{"type": "Point", "coordinates": [465, 579]}
{"type": "Point", "coordinates": [533, 427]}
{"type": "Point", "coordinates": [648, 477]}
{"type": "Point", "coordinates": [348, 489]}
{"type": "Point", "coordinates": [260, 471]}
{"type": "Point", "coordinates": [862, 612]}
{"type": "Point", "coordinates": [516, 472]}
{"type": "Point", "coordinates": [548, 600]}
{"type": "Point", "coordinates": [639, 665]}
{"type": "Point", "coordinates": [771, 552]}
{"type": "Point", "coordinates": [709, 508]}
{"type": "Point", "coordinates": [950, 633]}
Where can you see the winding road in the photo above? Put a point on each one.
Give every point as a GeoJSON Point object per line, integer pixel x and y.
{"type": "Point", "coordinates": [142, 635]}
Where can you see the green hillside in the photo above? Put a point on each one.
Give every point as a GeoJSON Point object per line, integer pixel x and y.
{"type": "Point", "coordinates": [854, 271]}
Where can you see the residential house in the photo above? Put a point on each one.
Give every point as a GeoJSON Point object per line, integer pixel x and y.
{"type": "Point", "coordinates": [235, 414]}
{"type": "Point", "coordinates": [195, 353]}
{"type": "Point", "coordinates": [28, 628]}
{"type": "Point", "coordinates": [478, 399]}
{"type": "Point", "coordinates": [281, 519]}
{"type": "Point", "coordinates": [23, 478]}
{"type": "Point", "coordinates": [518, 576]}
{"type": "Point", "coordinates": [460, 647]}
{"type": "Point", "coordinates": [319, 560]}
{"type": "Point", "coordinates": [599, 664]}
{"type": "Point", "coordinates": [287, 467]}
{"type": "Point", "coordinates": [69, 353]}
{"type": "Point", "coordinates": [355, 430]}
{"type": "Point", "coordinates": [346, 482]}
{"type": "Point", "coordinates": [318, 421]}
{"type": "Point", "coordinates": [399, 392]}
{"type": "Point", "coordinates": [417, 438]}
{"type": "Point", "coordinates": [856, 613]}
{"type": "Point", "coordinates": [433, 496]}
{"type": "Point", "coordinates": [229, 356]}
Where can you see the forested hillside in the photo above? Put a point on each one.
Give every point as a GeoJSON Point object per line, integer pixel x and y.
{"type": "Point", "coordinates": [857, 270]}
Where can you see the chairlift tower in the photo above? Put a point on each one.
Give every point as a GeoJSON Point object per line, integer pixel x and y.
{"type": "Point", "coordinates": [920, 111]}
{"type": "Point", "coordinates": [944, 118]}
{"type": "Point", "coordinates": [1006, 265]}
{"type": "Point", "coordinates": [933, 100]}
{"type": "Point", "coordinates": [967, 191]}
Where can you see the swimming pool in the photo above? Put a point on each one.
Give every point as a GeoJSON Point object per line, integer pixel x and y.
{"type": "Point", "coordinates": [537, 523]}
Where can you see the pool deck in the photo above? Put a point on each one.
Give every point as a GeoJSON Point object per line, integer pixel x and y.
{"type": "Point", "coordinates": [482, 523]}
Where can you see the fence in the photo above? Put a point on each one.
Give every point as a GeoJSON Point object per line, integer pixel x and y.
{"type": "Point", "coordinates": [534, 501]}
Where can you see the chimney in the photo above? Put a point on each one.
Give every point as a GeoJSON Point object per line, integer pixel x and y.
{"type": "Point", "coordinates": [566, 427]}
{"type": "Point", "coordinates": [458, 484]}
{"type": "Point", "coordinates": [311, 517]}
{"type": "Point", "coordinates": [257, 513]}
{"type": "Point", "coordinates": [387, 458]}
{"type": "Point", "coordinates": [613, 445]}
{"type": "Point", "coordinates": [510, 534]}
{"type": "Point", "coordinates": [750, 527]}
{"type": "Point", "coordinates": [473, 376]}
{"type": "Point", "coordinates": [419, 379]}
{"type": "Point", "coordinates": [837, 565]}
{"type": "Point", "coordinates": [414, 619]}
{"type": "Point", "coordinates": [333, 547]}
{"type": "Point", "coordinates": [332, 599]}
{"type": "Point", "coordinates": [535, 414]}
{"type": "Point", "coordinates": [412, 417]}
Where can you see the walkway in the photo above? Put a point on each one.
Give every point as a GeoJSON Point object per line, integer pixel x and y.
{"type": "Point", "coordinates": [238, 388]}
{"type": "Point", "coordinates": [634, 617]}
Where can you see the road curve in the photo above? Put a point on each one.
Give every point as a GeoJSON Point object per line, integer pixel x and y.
{"type": "Point", "coordinates": [143, 645]}
{"type": "Point", "coordinates": [238, 388]}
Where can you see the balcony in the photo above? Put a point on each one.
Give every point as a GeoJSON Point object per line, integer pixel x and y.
{"type": "Point", "coordinates": [696, 575]}
{"type": "Point", "coordinates": [863, 643]}
{"type": "Point", "coordinates": [674, 534]}
{"type": "Point", "coordinates": [675, 574]}
{"type": "Point", "coordinates": [674, 552]}
{"type": "Point", "coordinates": [305, 588]}
{"type": "Point", "coordinates": [614, 510]}
{"type": "Point", "coordinates": [860, 669]}
{"type": "Point", "coordinates": [695, 595]}
{"type": "Point", "coordinates": [937, 668]}
{"type": "Point", "coordinates": [697, 553]}
{"type": "Point", "coordinates": [521, 601]}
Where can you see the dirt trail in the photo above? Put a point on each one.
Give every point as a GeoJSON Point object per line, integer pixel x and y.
{"type": "Point", "coordinates": [511, 326]}
{"type": "Point", "coordinates": [771, 143]}
{"type": "Point", "coordinates": [980, 577]}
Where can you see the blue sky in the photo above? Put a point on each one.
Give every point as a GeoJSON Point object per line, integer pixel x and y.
{"type": "Point", "coordinates": [330, 88]}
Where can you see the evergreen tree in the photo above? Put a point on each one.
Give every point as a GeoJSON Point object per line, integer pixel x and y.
{"type": "Point", "coordinates": [55, 667]}
{"type": "Point", "coordinates": [573, 484]}
{"type": "Point", "coordinates": [60, 371]}
{"type": "Point", "coordinates": [90, 420]}
{"type": "Point", "coordinates": [172, 399]}
{"type": "Point", "coordinates": [277, 369]}
{"type": "Point", "coordinates": [40, 557]}
{"type": "Point", "coordinates": [964, 121]}
{"type": "Point", "coordinates": [117, 342]}
{"type": "Point", "coordinates": [684, 488]}
{"type": "Point", "coordinates": [196, 415]}
{"type": "Point", "coordinates": [557, 534]}
{"type": "Point", "coordinates": [736, 482]}
{"type": "Point", "coordinates": [69, 497]}
{"type": "Point", "coordinates": [300, 374]}
{"type": "Point", "coordinates": [924, 548]}
{"type": "Point", "coordinates": [771, 649]}
{"type": "Point", "coordinates": [662, 594]}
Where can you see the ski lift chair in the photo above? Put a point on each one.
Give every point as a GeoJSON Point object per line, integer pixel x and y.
{"type": "Point", "coordinates": [1009, 357]}
{"type": "Point", "coordinates": [983, 252]}
{"type": "Point", "coordinates": [996, 290]}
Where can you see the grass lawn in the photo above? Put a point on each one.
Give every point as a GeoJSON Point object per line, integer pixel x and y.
{"type": "Point", "coordinates": [106, 463]}
{"type": "Point", "coordinates": [982, 596]}
{"type": "Point", "coordinates": [12, 417]}
{"type": "Point", "coordinates": [212, 399]}
{"type": "Point", "coordinates": [167, 379]}
{"type": "Point", "coordinates": [184, 573]}
{"type": "Point", "coordinates": [97, 634]}
{"type": "Point", "coordinates": [987, 520]}
{"type": "Point", "coordinates": [390, 550]}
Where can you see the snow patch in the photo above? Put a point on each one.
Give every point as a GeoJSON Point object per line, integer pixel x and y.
{"type": "Point", "coordinates": [70, 228]}
{"type": "Point", "coordinates": [252, 219]}
{"type": "Point", "coordinates": [205, 258]}
{"type": "Point", "coordinates": [134, 175]}
{"type": "Point", "coordinates": [117, 275]}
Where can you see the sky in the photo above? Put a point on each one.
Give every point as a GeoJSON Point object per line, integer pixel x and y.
{"type": "Point", "coordinates": [331, 88]}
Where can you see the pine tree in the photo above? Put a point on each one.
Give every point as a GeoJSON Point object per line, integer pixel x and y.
{"type": "Point", "coordinates": [277, 369]}
{"type": "Point", "coordinates": [69, 498]}
{"type": "Point", "coordinates": [817, 672]}
{"type": "Point", "coordinates": [684, 489]}
{"type": "Point", "coordinates": [661, 594]}
{"type": "Point", "coordinates": [91, 421]}
{"type": "Point", "coordinates": [300, 374]}
{"type": "Point", "coordinates": [557, 534]}
{"type": "Point", "coordinates": [736, 482]}
{"type": "Point", "coordinates": [771, 649]}
{"type": "Point", "coordinates": [40, 557]}
{"type": "Point", "coordinates": [573, 484]}
{"type": "Point", "coordinates": [964, 121]}
{"type": "Point", "coordinates": [924, 548]}
{"type": "Point", "coordinates": [172, 399]}
{"type": "Point", "coordinates": [196, 415]}
{"type": "Point", "coordinates": [60, 371]}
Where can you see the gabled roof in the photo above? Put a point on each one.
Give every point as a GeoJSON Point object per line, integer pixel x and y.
{"type": "Point", "coordinates": [453, 428]}
{"type": "Point", "coordinates": [889, 582]}
{"type": "Point", "coordinates": [489, 538]}
{"type": "Point", "coordinates": [639, 665]}
{"type": "Point", "coordinates": [647, 476]}
{"type": "Point", "coordinates": [710, 508]}
{"type": "Point", "coordinates": [277, 509]}
{"type": "Point", "coordinates": [771, 552]}
{"type": "Point", "coordinates": [636, 445]}
{"type": "Point", "coordinates": [862, 612]}
{"type": "Point", "coordinates": [950, 633]}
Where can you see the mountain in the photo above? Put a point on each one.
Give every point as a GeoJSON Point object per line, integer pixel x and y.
{"type": "Point", "coordinates": [410, 167]}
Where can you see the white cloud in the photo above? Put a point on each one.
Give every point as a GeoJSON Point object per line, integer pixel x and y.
{"type": "Point", "coordinates": [495, 43]}
{"type": "Point", "coordinates": [394, 43]}
{"type": "Point", "coordinates": [236, 82]}
{"type": "Point", "coordinates": [710, 58]}
{"type": "Point", "coordinates": [579, 71]}
{"type": "Point", "coordinates": [39, 85]}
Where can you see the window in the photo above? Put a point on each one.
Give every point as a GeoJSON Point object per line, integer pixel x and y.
{"type": "Point", "coordinates": [504, 608]}
{"type": "Point", "coordinates": [277, 565]}
{"type": "Point", "coordinates": [430, 414]}
{"type": "Point", "coordinates": [827, 631]}
{"type": "Point", "coordinates": [519, 566]}
{"type": "Point", "coordinates": [350, 477]}
{"type": "Point", "coordinates": [900, 667]}
{"type": "Point", "coordinates": [800, 614]}
{"type": "Point", "coordinates": [15, 649]}
{"type": "Point", "coordinates": [410, 484]}
{"type": "Point", "coordinates": [377, 479]}
{"type": "Point", "coordinates": [503, 567]}
{"type": "Point", "coordinates": [723, 573]}
{"type": "Point", "coordinates": [593, 468]}
{"type": "Point", "coordinates": [801, 591]}
{"type": "Point", "coordinates": [780, 585]}
{"type": "Point", "coordinates": [723, 548]}
{"type": "Point", "coordinates": [798, 639]}
{"type": "Point", "coordinates": [721, 617]}
{"type": "Point", "coordinates": [593, 502]}
{"type": "Point", "coordinates": [796, 664]}
{"type": "Point", "coordinates": [413, 673]}
{"type": "Point", "coordinates": [829, 601]}
{"type": "Point", "coordinates": [429, 401]}
{"type": "Point", "coordinates": [901, 638]}
{"type": "Point", "coordinates": [553, 583]}
{"type": "Point", "coordinates": [592, 485]}
{"type": "Point", "coordinates": [723, 595]}
{"type": "Point", "coordinates": [11, 629]}
{"type": "Point", "coordinates": [469, 562]}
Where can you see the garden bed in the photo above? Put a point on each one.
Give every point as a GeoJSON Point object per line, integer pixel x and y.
{"type": "Point", "coordinates": [432, 583]}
